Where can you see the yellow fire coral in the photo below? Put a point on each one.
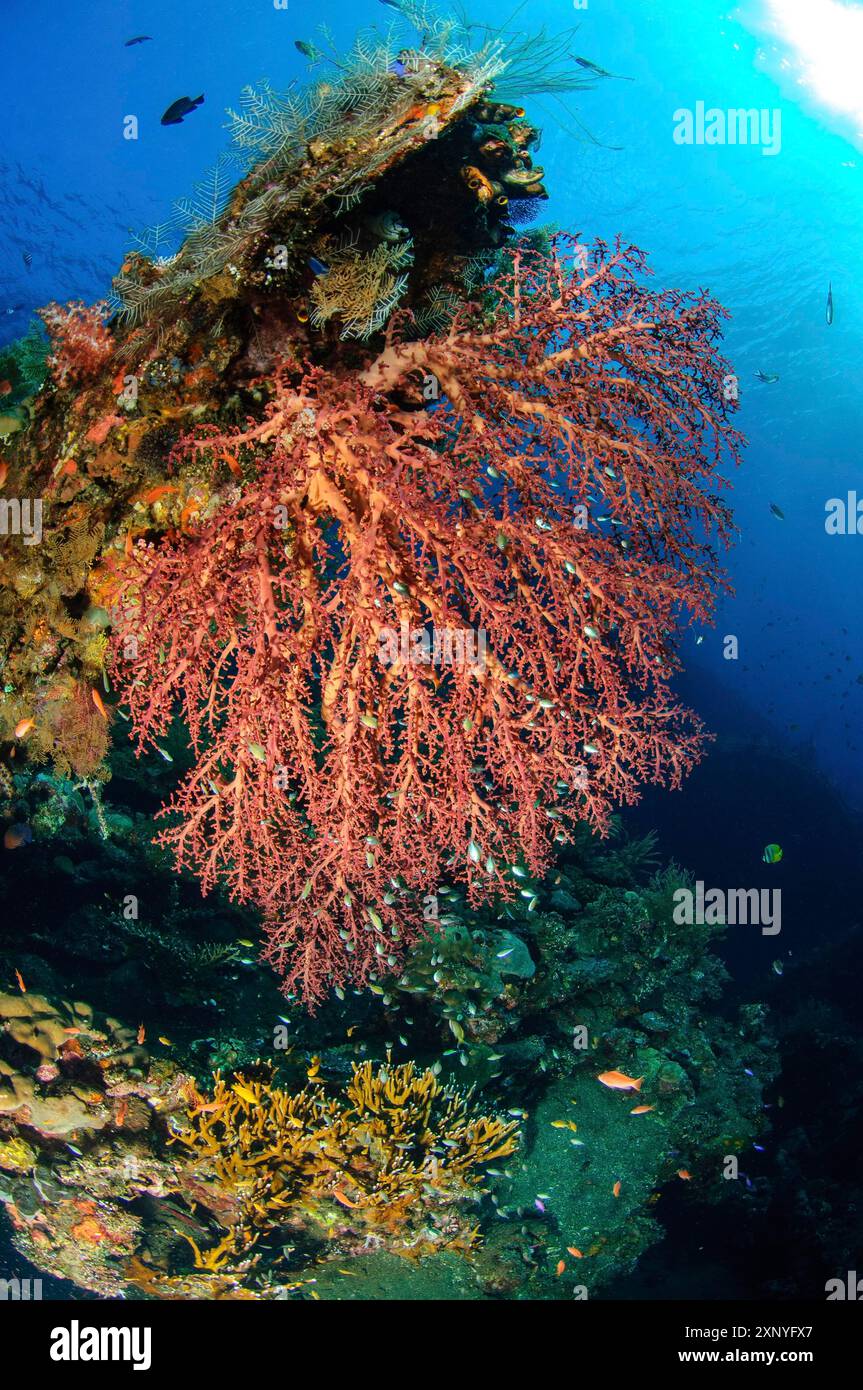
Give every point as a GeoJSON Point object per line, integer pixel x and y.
{"type": "Point", "coordinates": [385, 1158]}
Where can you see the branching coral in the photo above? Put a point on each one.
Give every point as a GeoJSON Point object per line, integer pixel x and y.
{"type": "Point", "coordinates": [389, 1156]}
{"type": "Point", "coordinates": [424, 643]}
{"type": "Point", "coordinates": [80, 341]}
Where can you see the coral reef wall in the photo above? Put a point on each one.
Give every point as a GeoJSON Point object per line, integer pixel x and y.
{"type": "Point", "coordinates": [399, 515]}
{"type": "Point", "coordinates": [374, 527]}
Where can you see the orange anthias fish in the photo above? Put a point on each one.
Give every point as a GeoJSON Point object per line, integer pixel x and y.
{"type": "Point", "coordinates": [561, 1266]}
{"type": "Point", "coordinates": [641, 1110]}
{"type": "Point", "coordinates": [141, 1034]}
{"type": "Point", "coordinates": [616, 1188]}
{"type": "Point", "coordinates": [341, 1197]}
{"type": "Point", "coordinates": [99, 703]}
{"type": "Point", "coordinates": [23, 727]}
{"type": "Point", "coordinates": [618, 1081]}
{"type": "Point", "coordinates": [685, 1174]}
{"type": "Point", "coordinates": [161, 490]}
{"type": "Point", "coordinates": [207, 1108]}
{"type": "Point", "coordinates": [191, 509]}
{"type": "Point", "coordinates": [575, 1252]}
{"type": "Point", "coordinates": [21, 984]}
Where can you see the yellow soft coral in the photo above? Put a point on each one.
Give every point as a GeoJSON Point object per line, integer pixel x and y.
{"type": "Point", "coordinates": [361, 289]}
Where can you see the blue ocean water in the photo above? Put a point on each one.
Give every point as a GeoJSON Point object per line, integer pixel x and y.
{"type": "Point", "coordinates": [767, 228]}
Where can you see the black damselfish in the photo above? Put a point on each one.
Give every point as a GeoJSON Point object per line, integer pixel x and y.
{"type": "Point", "coordinates": [180, 108]}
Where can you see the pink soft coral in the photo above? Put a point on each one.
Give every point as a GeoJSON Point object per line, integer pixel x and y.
{"type": "Point", "coordinates": [554, 509]}
{"type": "Point", "coordinates": [81, 343]}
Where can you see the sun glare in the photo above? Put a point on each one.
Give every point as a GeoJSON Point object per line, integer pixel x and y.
{"type": "Point", "coordinates": [827, 39]}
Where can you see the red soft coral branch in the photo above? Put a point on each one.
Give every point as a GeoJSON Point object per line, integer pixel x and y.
{"type": "Point", "coordinates": [339, 771]}
{"type": "Point", "coordinates": [81, 344]}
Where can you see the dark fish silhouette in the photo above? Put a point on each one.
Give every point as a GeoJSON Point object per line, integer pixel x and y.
{"type": "Point", "coordinates": [27, 258]}
{"type": "Point", "coordinates": [592, 67]}
{"type": "Point", "coordinates": [600, 72]}
{"type": "Point", "coordinates": [315, 55]}
{"type": "Point", "coordinates": [777, 511]}
{"type": "Point", "coordinates": [768, 378]}
{"type": "Point", "coordinates": [830, 303]}
{"type": "Point", "coordinates": [142, 38]}
{"type": "Point", "coordinates": [180, 108]}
